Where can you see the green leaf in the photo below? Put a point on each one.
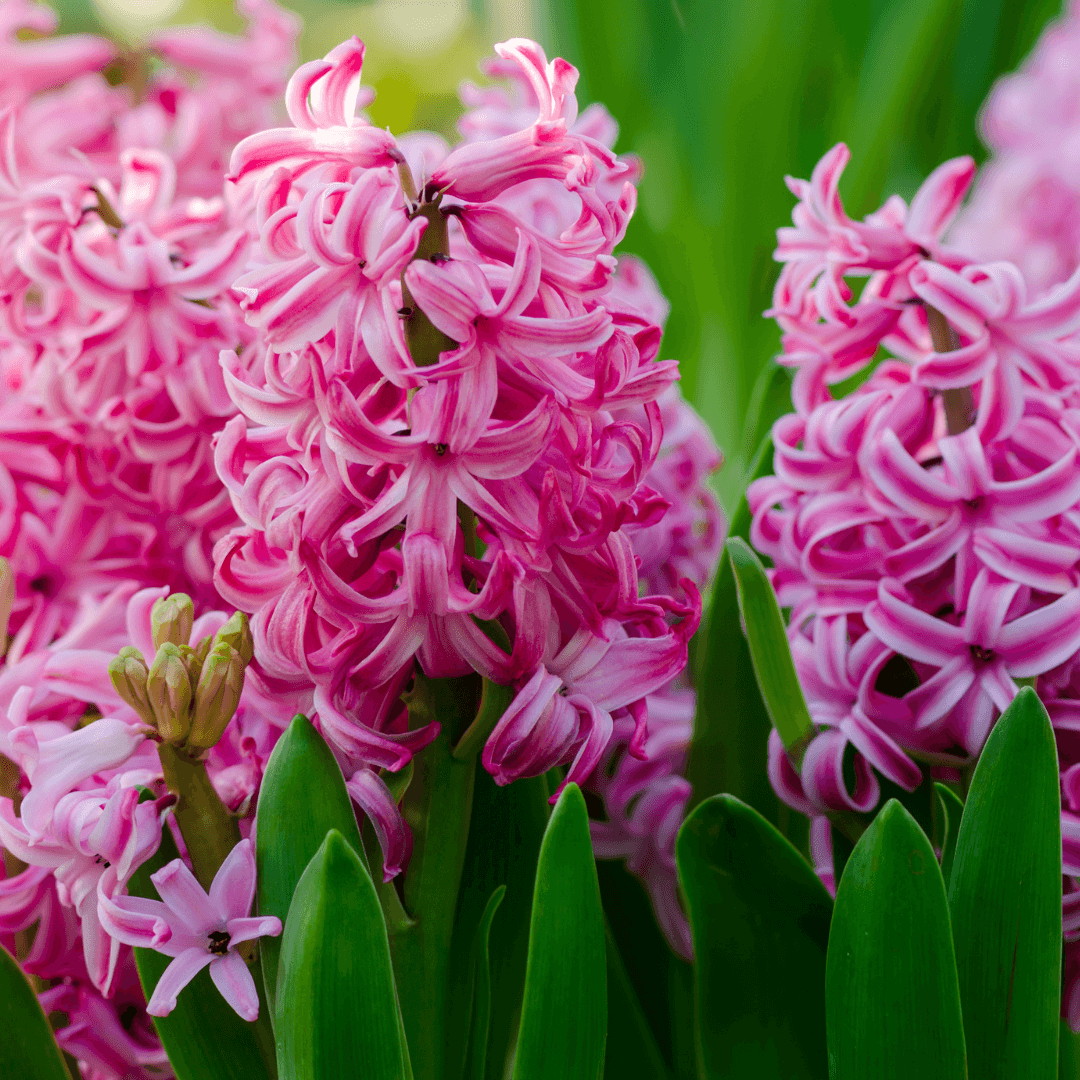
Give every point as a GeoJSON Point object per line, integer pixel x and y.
{"type": "Point", "coordinates": [286, 840]}
{"type": "Point", "coordinates": [1005, 896]}
{"type": "Point", "coordinates": [953, 809]}
{"type": "Point", "coordinates": [564, 1011]}
{"type": "Point", "coordinates": [631, 1047]}
{"type": "Point", "coordinates": [892, 997]}
{"type": "Point", "coordinates": [480, 1022]}
{"type": "Point", "coordinates": [337, 1010]}
{"type": "Point", "coordinates": [204, 1038]}
{"type": "Point", "coordinates": [760, 919]}
{"type": "Point", "coordinates": [729, 748]}
{"type": "Point", "coordinates": [769, 650]}
{"type": "Point", "coordinates": [505, 832]}
{"type": "Point", "coordinates": [28, 1048]}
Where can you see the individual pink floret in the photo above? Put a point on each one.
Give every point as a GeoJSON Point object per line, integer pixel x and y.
{"type": "Point", "coordinates": [196, 928]}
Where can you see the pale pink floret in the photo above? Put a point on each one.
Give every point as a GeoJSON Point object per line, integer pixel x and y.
{"type": "Point", "coordinates": [196, 928]}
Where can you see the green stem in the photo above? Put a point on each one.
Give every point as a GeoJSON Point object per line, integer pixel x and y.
{"type": "Point", "coordinates": [438, 806]}
{"type": "Point", "coordinates": [209, 830]}
{"type": "Point", "coordinates": [494, 701]}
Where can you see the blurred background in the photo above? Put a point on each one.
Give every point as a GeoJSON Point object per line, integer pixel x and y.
{"type": "Point", "coordinates": [720, 98]}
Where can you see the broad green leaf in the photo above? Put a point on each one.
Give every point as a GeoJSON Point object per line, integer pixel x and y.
{"type": "Point", "coordinates": [28, 1049]}
{"type": "Point", "coordinates": [480, 1021]}
{"type": "Point", "coordinates": [1005, 896]}
{"type": "Point", "coordinates": [505, 831]}
{"type": "Point", "coordinates": [564, 1011]}
{"type": "Point", "coordinates": [286, 840]}
{"type": "Point", "coordinates": [631, 1047]}
{"type": "Point", "coordinates": [769, 650]}
{"type": "Point", "coordinates": [891, 992]}
{"type": "Point", "coordinates": [729, 747]}
{"type": "Point", "coordinates": [204, 1038]}
{"type": "Point", "coordinates": [337, 1010]}
{"type": "Point", "coordinates": [953, 809]}
{"type": "Point", "coordinates": [760, 919]}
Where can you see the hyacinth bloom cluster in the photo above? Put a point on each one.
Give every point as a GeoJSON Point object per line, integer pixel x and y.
{"type": "Point", "coordinates": [447, 425]}
{"type": "Point", "coordinates": [397, 400]}
{"type": "Point", "coordinates": [119, 249]}
{"type": "Point", "coordinates": [924, 528]}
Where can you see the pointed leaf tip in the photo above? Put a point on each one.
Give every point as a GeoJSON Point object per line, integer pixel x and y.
{"type": "Point", "coordinates": [760, 920]}
{"type": "Point", "coordinates": [891, 990]}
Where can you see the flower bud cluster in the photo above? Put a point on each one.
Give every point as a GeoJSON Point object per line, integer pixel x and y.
{"type": "Point", "coordinates": [189, 693]}
{"type": "Point", "coordinates": [924, 529]}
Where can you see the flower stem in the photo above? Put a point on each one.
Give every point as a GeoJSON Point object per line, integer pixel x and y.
{"type": "Point", "coordinates": [959, 402]}
{"type": "Point", "coordinates": [424, 339]}
{"type": "Point", "coordinates": [209, 830]}
{"type": "Point", "coordinates": [438, 807]}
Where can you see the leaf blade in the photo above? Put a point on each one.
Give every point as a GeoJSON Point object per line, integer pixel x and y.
{"type": "Point", "coordinates": [770, 653]}
{"type": "Point", "coordinates": [892, 995]}
{"type": "Point", "coordinates": [760, 919]}
{"type": "Point", "coordinates": [286, 841]}
{"type": "Point", "coordinates": [28, 1048]}
{"type": "Point", "coordinates": [1005, 897]}
{"type": "Point", "coordinates": [480, 1021]}
{"type": "Point", "coordinates": [333, 1015]}
{"type": "Point", "coordinates": [564, 1011]}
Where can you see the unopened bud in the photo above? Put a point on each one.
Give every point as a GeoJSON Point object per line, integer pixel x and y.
{"type": "Point", "coordinates": [193, 662]}
{"type": "Point", "coordinates": [128, 672]}
{"type": "Point", "coordinates": [168, 688]}
{"type": "Point", "coordinates": [202, 649]}
{"type": "Point", "coordinates": [237, 633]}
{"type": "Point", "coordinates": [7, 600]}
{"type": "Point", "coordinates": [216, 696]}
{"type": "Point", "coordinates": [171, 619]}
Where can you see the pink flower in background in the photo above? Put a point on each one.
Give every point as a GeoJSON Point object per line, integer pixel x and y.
{"type": "Point", "coordinates": [196, 928]}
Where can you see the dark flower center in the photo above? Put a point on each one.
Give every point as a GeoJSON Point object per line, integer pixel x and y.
{"type": "Point", "coordinates": [219, 942]}
{"type": "Point", "coordinates": [981, 655]}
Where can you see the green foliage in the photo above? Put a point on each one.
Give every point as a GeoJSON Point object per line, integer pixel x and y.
{"type": "Point", "coordinates": [337, 1010]}
{"type": "Point", "coordinates": [286, 841]}
{"type": "Point", "coordinates": [1005, 896]}
{"type": "Point", "coordinates": [729, 748]}
{"type": "Point", "coordinates": [564, 1011]}
{"type": "Point", "coordinates": [631, 1046]}
{"type": "Point", "coordinates": [480, 1021]}
{"type": "Point", "coordinates": [760, 919]}
{"type": "Point", "coordinates": [27, 1048]}
{"type": "Point", "coordinates": [769, 650]}
{"type": "Point", "coordinates": [892, 997]}
{"type": "Point", "coordinates": [204, 1038]}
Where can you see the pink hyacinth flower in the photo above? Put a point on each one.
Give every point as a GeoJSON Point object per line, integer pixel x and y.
{"type": "Point", "coordinates": [196, 928]}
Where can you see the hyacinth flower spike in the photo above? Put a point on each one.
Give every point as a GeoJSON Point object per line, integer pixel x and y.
{"type": "Point", "coordinates": [196, 928]}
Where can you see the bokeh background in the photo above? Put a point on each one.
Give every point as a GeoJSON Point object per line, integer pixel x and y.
{"type": "Point", "coordinates": [720, 98]}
